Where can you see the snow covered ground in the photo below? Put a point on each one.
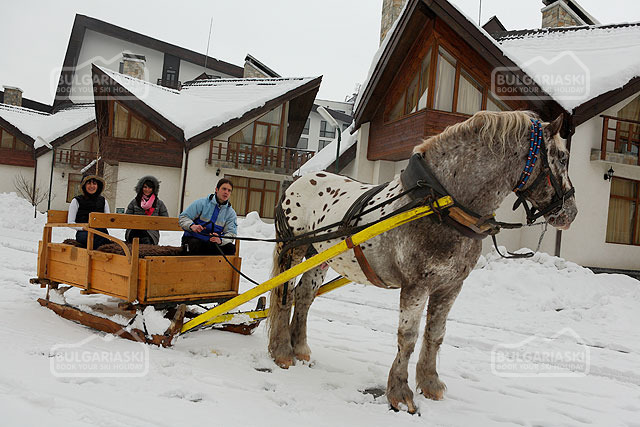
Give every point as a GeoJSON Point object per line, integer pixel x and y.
{"type": "Point", "coordinates": [544, 308]}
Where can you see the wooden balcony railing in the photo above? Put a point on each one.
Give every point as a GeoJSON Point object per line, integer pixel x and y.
{"type": "Point", "coordinates": [265, 157]}
{"type": "Point", "coordinates": [76, 158]}
{"type": "Point", "coordinates": [620, 136]}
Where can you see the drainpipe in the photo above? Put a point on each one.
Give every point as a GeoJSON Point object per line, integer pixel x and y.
{"type": "Point", "coordinates": [185, 165]}
{"type": "Point", "coordinates": [570, 131]}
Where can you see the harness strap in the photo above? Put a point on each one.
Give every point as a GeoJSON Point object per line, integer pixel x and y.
{"type": "Point", "coordinates": [364, 265]}
{"type": "Point", "coordinates": [353, 210]}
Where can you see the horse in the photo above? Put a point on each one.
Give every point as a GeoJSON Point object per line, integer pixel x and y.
{"type": "Point", "coordinates": [479, 162]}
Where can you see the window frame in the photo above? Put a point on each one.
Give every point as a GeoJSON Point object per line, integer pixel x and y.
{"type": "Point", "coordinates": [131, 113]}
{"type": "Point", "coordinates": [15, 142]}
{"type": "Point", "coordinates": [249, 188]}
{"type": "Point", "coordinates": [636, 211]}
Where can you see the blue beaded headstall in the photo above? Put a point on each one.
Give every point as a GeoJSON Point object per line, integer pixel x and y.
{"type": "Point", "coordinates": [536, 142]}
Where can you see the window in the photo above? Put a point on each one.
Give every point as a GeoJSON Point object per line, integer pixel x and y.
{"type": "Point", "coordinates": [326, 130]}
{"type": "Point", "coordinates": [623, 222]}
{"type": "Point", "coordinates": [73, 186]}
{"type": "Point", "coordinates": [323, 143]}
{"type": "Point", "coordinates": [303, 143]}
{"type": "Point", "coordinates": [128, 125]}
{"type": "Point", "coordinates": [469, 95]}
{"type": "Point", "coordinates": [445, 81]}
{"type": "Point", "coordinates": [415, 96]}
{"type": "Point", "coordinates": [305, 131]}
{"type": "Point", "coordinates": [10, 142]}
{"type": "Point", "coordinates": [251, 194]}
{"type": "Point", "coordinates": [494, 103]}
{"type": "Point", "coordinates": [345, 126]}
{"type": "Point", "coordinates": [264, 131]}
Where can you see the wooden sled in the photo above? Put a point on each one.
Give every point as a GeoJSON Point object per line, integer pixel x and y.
{"type": "Point", "coordinates": [168, 282]}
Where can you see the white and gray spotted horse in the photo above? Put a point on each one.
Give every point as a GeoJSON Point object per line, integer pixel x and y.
{"type": "Point", "coordinates": [479, 161]}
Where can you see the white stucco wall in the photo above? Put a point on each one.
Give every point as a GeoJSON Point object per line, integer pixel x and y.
{"type": "Point", "coordinates": [584, 243]}
{"type": "Point", "coordinates": [106, 51]}
{"type": "Point", "coordinates": [8, 175]}
{"type": "Point", "coordinates": [130, 173]}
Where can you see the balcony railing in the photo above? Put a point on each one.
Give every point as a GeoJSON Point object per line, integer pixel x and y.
{"type": "Point", "coordinates": [622, 137]}
{"type": "Point", "coordinates": [263, 157]}
{"type": "Point", "coordinates": [76, 158]}
{"type": "Point", "coordinates": [173, 84]}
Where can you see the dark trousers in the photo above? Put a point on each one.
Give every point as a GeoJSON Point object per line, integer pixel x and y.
{"type": "Point", "coordinates": [144, 237]}
{"type": "Point", "coordinates": [195, 246]}
{"type": "Point", "coordinates": [81, 237]}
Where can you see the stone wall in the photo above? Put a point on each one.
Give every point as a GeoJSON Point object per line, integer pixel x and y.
{"type": "Point", "coordinates": [390, 12]}
{"type": "Point", "coordinates": [252, 72]}
{"type": "Point", "coordinates": [133, 68]}
{"type": "Point", "coordinates": [558, 16]}
{"type": "Point", "coordinates": [12, 96]}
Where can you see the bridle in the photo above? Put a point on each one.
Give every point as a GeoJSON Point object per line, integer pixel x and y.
{"type": "Point", "coordinates": [536, 145]}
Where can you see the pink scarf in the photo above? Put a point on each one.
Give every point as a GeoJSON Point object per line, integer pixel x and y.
{"type": "Point", "coordinates": [146, 203]}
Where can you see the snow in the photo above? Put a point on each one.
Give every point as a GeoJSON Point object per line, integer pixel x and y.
{"type": "Point", "coordinates": [48, 127]}
{"type": "Point", "coordinates": [219, 378]}
{"type": "Point", "coordinates": [205, 104]}
{"type": "Point", "coordinates": [607, 57]}
{"type": "Point", "coordinates": [323, 158]}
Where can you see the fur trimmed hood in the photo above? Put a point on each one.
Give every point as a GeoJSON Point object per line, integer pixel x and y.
{"type": "Point", "coordinates": [86, 178]}
{"type": "Point", "coordinates": [153, 179]}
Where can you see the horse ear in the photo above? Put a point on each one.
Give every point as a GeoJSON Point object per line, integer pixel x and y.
{"type": "Point", "coordinates": [555, 126]}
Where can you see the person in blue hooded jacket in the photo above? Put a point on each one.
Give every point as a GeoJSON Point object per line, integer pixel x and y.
{"type": "Point", "coordinates": [210, 223]}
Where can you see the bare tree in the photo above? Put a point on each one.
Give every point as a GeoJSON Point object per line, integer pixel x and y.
{"type": "Point", "coordinates": [26, 190]}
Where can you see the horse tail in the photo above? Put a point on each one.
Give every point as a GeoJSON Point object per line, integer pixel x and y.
{"type": "Point", "coordinates": [281, 262]}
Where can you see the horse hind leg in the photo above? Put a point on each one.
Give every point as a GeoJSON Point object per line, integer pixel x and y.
{"type": "Point", "coordinates": [412, 302]}
{"type": "Point", "coordinates": [305, 293]}
{"type": "Point", "coordinates": [427, 379]}
{"type": "Point", "coordinates": [280, 347]}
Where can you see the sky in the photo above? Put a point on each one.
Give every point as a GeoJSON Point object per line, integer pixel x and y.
{"type": "Point", "coordinates": [333, 38]}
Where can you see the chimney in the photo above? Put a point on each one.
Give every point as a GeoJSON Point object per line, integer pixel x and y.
{"type": "Point", "coordinates": [390, 11]}
{"type": "Point", "coordinates": [133, 65]}
{"type": "Point", "coordinates": [12, 95]}
{"type": "Point", "coordinates": [564, 13]}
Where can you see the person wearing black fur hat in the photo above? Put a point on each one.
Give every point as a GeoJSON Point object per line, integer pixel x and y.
{"type": "Point", "coordinates": [146, 202]}
{"type": "Point", "coordinates": [89, 201]}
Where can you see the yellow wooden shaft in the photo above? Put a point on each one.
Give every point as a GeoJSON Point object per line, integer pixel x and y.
{"type": "Point", "coordinates": [337, 249]}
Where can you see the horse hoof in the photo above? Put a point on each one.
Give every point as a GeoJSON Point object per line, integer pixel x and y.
{"type": "Point", "coordinates": [433, 389]}
{"type": "Point", "coordinates": [284, 362]}
{"type": "Point", "coordinates": [303, 357]}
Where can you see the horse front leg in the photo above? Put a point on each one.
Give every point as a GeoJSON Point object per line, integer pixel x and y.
{"type": "Point", "coordinates": [280, 304]}
{"type": "Point", "coordinates": [305, 293]}
{"type": "Point", "coordinates": [427, 379]}
{"type": "Point", "coordinates": [412, 302]}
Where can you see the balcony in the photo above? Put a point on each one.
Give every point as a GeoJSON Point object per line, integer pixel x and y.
{"type": "Point", "coordinates": [75, 158]}
{"type": "Point", "coordinates": [173, 84]}
{"type": "Point", "coordinates": [620, 141]}
{"type": "Point", "coordinates": [258, 157]}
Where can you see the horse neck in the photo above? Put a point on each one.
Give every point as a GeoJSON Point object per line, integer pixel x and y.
{"type": "Point", "coordinates": [477, 177]}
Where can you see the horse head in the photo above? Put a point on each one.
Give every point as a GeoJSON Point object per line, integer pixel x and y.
{"type": "Point", "coordinates": [550, 193]}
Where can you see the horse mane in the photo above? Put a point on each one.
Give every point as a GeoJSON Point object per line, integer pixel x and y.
{"type": "Point", "coordinates": [487, 127]}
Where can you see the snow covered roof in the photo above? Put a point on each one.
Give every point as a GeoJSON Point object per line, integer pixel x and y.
{"type": "Point", "coordinates": [48, 127]}
{"type": "Point", "coordinates": [577, 64]}
{"type": "Point", "coordinates": [325, 157]}
{"type": "Point", "coordinates": [205, 104]}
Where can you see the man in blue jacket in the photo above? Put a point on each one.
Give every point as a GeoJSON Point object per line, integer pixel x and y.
{"type": "Point", "coordinates": [210, 223]}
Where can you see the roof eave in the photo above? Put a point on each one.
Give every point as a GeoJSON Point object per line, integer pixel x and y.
{"type": "Point", "coordinates": [214, 131]}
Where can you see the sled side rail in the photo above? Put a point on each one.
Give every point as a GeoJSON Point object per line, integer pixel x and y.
{"type": "Point", "coordinates": [314, 261]}
{"type": "Point", "coordinates": [138, 222]}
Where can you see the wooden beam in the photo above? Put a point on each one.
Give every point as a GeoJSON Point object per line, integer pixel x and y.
{"type": "Point", "coordinates": [134, 222]}
{"type": "Point", "coordinates": [133, 276]}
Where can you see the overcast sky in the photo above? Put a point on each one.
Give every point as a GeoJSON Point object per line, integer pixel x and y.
{"type": "Point", "coordinates": [333, 38]}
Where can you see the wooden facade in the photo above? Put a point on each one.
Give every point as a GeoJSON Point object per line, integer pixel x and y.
{"type": "Point", "coordinates": [393, 138]}
{"type": "Point", "coordinates": [14, 150]}
{"type": "Point", "coordinates": [146, 148]}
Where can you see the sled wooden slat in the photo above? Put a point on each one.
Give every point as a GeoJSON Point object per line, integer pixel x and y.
{"type": "Point", "coordinates": [149, 280]}
{"type": "Point", "coordinates": [139, 222]}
